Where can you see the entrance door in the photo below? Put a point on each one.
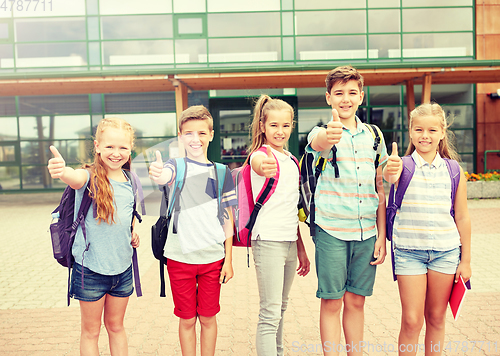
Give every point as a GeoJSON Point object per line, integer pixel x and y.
{"type": "Point", "coordinates": [232, 119]}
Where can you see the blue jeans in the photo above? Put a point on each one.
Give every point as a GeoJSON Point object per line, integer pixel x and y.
{"type": "Point", "coordinates": [275, 265]}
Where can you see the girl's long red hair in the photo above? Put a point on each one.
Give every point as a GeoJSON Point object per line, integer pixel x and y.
{"type": "Point", "coordinates": [100, 188]}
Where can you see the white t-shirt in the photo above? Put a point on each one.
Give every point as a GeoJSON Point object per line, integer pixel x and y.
{"type": "Point", "coordinates": [278, 220]}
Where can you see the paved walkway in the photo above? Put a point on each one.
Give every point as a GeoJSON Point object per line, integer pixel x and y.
{"type": "Point", "coordinates": [34, 319]}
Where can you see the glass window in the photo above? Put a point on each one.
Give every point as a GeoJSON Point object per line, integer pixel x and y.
{"type": "Point", "coordinates": [388, 118]}
{"type": "Point", "coordinates": [427, 20]}
{"type": "Point", "coordinates": [287, 24]}
{"type": "Point", "coordinates": [312, 97]}
{"type": "Point", "coordinates": [247, 24]}
{"type": "Point", "coordinates": [145, 125]}
{"type": "Point", "coordinates": [92, 7]}
{"type": "Point", "coordinates": [6, 56]}
{"type": "Point", "coordinates": [244, 50]}
{"type": "Point", "coordinates": [309, 118]}
{"type": "Point", "coordinates": [453, 93]}
{"type": "Point", "coordinates": [385, 95]}
{"type": "Point", "coordinates": [9, 128]}
{"type": "Point", "coordinates": [383, 21]}
{"type": "Point", "coordinates": [132, 27]}
{"type": "Point", "coordinates": [4, 31]}
{"type": "Point", "coordinates": [96, 103]}
{"type": "Point", "coordinates": [231, 5]}
{"type": "Point", "coordinates": [288, 49]}
{"type": "Point", "coordinates": [191, 50]}
{"type": "Point", "coordinates": [10, 178]}
{"type": "Point", "coordinates": [51, 55]}
{"type": "Point", "coordinates": [53, 105]}
{"type": "Point", "coordinates": [36, 177]}
{"type": "Point", "coordinates": [425, 3]}
{"type": "Point", "coordinates": [48, 8]}
{"type": "Point", "coordinates": [317, 48]}
{"type": "Point", "coordinates": [139, 102]}
{"type": "Point", "coordinates": [328, 22]}
{"type": "Point", "coordinates": [93, 28]}
{"type": "Point", "coordinates": [54, 29]}
{"type": "Point", "coordinates": [7, 106]}
{"type": "Point", "coordinates": [182, 6]}
{"type": "Point", "coordinates": [120, 7]}
{"type": "Point", "coordinates": [94, 53]}
{"type": "Point", "coordinates": [73, 151]}
{"type": "Point", "coordinates": [138, 52]}
{"type": "Point", "coordinates": [189, 26]}
{"type": "Point", "coordinates": [383, 3]}
{"type": "Point", "coordinates": [460, 116]}
{"type": "Point", "coordinates": [383, 46]}
{"type": "Point", "coordinates": [54, 127]}
{"type": "Point", "coordinates": [328, 4]}
{"type": "Point", "coordinates": [464, 140]}
{"type": "Point", "coordinates": [435, 45]}
{"type": "Point", "coordinates": [286, 4]}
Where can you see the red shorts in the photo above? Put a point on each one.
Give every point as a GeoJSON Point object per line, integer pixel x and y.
{"type": "Point", "coordinates": [195, 288]}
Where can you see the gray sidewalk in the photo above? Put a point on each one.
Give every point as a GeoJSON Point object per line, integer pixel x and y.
{"type": "Point", "coordinates": [34, 319]}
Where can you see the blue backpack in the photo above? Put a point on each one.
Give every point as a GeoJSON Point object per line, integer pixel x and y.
{"type": "Point", "coordinates": [396, 198]}
{"type": "Point", "coordinates": [170, 208]}
{"type": "Point", "coordinates": [65, 225]}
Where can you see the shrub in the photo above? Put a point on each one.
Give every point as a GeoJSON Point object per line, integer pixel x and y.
{"type": "Point", "coordinates": [488, 177]}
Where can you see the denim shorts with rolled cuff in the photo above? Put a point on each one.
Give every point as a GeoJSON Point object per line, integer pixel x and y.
{"type": "Point", "coordinates": [343, 266]}
{"type": "Point", "coordinates": [95, 285]}
{"type": "Point", "coordinates": [417, 262]}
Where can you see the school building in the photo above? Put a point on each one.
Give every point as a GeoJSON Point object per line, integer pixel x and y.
{"type": "Point", "coordinates": [65, 64]}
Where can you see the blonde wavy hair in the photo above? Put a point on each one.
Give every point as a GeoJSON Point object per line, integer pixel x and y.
{"type": "Point", "coordinates": [100, 188]}
{"type": "Point", "coordinates": [445, 147]}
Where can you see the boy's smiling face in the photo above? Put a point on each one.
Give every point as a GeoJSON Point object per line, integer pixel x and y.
{"type": "Point", "coordinates": [345, 98]}
{"type": "Point", "coordinates": [196, 136]}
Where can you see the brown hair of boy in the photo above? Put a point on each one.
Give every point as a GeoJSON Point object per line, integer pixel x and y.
{"type": "Point", "coordinates": [343, 74]}
{"type": "Point", "coordinates": [196, 112]}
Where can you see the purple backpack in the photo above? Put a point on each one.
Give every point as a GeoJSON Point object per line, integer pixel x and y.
{"type": "Point", "coordinates": [396, 198]}
{"type": "Point", "coordinates": [65, 225]}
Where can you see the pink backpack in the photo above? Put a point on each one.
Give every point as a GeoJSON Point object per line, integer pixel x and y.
{"type": "Point", "coordinates": [245, 212]}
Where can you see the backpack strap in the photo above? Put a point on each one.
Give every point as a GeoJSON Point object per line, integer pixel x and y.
{"type": "Point", "coordinates": [265, 193]}
{"type": "Point", "coordinates": [376, 134]}
{"type": "Point", "coordinates": [79, 221]}
{"type": "Point", "coordinates": [180, 178]}
{"type": "Point", "coordinates": [220, 171]}
{"type": "Point", "coordinates": [404, 179]}
{"type": "Point", "coordinates": [396, 199]}
{"type": "Point", "coordinates": [454, 170]}
{"type": "Point", "coordinates": [138, 194]}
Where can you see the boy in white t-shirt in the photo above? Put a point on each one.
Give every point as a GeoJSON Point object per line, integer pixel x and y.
{"type": "Point", "coordinates": [199, 254]}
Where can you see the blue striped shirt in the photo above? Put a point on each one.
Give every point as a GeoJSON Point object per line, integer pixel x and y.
{"type": "Point", "coordinates": [424, 221]}
{"type": "Point", "coordinates": [346, 207]}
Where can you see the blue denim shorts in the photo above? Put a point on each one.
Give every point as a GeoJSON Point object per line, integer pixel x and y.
{"type": "Point", "coordinates": [416, 262]}
{"type": "Point", "coordinates": [96, 285]}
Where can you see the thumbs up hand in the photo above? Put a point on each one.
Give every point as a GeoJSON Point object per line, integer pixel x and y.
{"type": "Point", "coordinates": [394, 164]}
{"type": "Point", "coordinates": [56, 165]}
{"type": "Point", "coordinates": [269, 166]}
{"type": "Point", "coordinates": [156, 168]}
{"type": "Point", "coordinates": [334, 129]}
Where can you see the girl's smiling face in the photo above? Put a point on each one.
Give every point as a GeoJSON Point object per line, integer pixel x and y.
{"type": "Point", "coordinates": [277, 129]}
{"type": "Point", "coordinates": [114, 147]}
{"type": "Point", "coordinates": [426, 132]}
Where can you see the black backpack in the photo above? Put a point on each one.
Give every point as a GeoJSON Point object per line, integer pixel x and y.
{"type": "Point", "coordinates": [311, 169]}
{"type": "Point", "coordinates": [64, 226]}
